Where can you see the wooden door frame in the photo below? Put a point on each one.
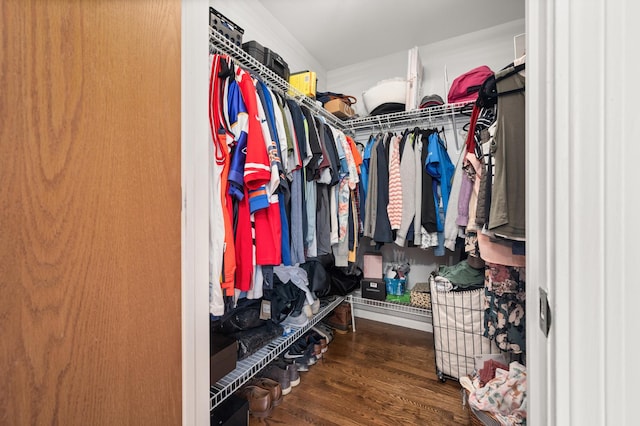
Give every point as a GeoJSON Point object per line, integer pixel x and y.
{"type": "Point", "coordinates": [549, 39]}
{"type": "Point", "coordinates": [195, 128]}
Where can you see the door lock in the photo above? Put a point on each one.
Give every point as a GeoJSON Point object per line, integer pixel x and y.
{"type": "Point", "coordinates": [545, 313]}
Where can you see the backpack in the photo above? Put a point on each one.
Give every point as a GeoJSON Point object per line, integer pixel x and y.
{"type": "Point", "coordinates": [465, 87]}
{"type": "Point", "coordinates": [245, 316]}
{"type": "Point", "coordinates": [319, 279]}
{"type": "Point", "coordinates": [286, 299]}
{"type": "Point", "coordinates": [344, 280]}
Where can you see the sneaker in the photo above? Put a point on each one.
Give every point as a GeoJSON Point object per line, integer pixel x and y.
{"type": "Point", "coordinates": [292, 368]}
{"type": "Point", "coordinates": [307, 360]}
{"type": "Point", "coordinates": [302, 366]}
{"type": "Point", "coordinates": [315, 307]}
{"type": "Point", "coordinates": [324, 331]}
{"type": "Point", "coordinates": [306, 309]}
{"type": "Point", "coordinates": [296, 350]}
{"type": "Point", "coordinates": [301, 352]}
{"type": "Point", "coordinates": [274, 372]}
{"type": "Point", "coordinates": [299, 321]}
{"type": "Point", "coordinates": [314, 343]}
{"type": "Point", "coordinates": [316, 338]}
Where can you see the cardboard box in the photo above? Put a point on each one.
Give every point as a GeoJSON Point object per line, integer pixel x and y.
{"type": "Point", "coordinates": [339, 109]}
{"type": "Point", "coordinates": [305, 82]}
{"type": "Point", "coordinates": [224, 356]}
{"type": "Point", "coordinates": [373, 289]}
{"type": "Point", "coordinates": [233, 411]}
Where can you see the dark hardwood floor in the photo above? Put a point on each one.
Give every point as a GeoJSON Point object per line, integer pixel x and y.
{"type": "Point", "coordinates": [380, 375]}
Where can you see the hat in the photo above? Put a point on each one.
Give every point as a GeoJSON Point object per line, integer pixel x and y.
{"type": "Point", "coordinates": [430, 101]}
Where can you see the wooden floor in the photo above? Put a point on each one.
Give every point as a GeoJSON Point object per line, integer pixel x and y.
{"type": "Point", "coordinates": [380, 375]}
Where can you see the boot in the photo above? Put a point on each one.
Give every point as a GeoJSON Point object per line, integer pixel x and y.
{"type": "Point", "coordinates": [259, 400]}
{"type": "Point", "coordinates": [340, 318]}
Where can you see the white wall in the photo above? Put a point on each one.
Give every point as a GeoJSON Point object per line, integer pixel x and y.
{"type": "Point", "coordinates": [260, 25]}
{"type": "Point", "coordinates": [492, 47]}
{"type": "Point", "coordinates": [422, 262]}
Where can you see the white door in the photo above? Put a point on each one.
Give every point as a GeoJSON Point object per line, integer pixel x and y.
{"type": "Point", "coordinates": [583, 146]}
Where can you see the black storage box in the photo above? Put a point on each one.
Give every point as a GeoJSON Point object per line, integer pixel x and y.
{"type": "Point", "coordinates": [373, 289]}
{"type": "Point", "coordinates": [224, 356]}
{"type": "Point", "coordinates": [275, 63]}
{"type": "Point", "coordinates": [255, 50]}
{"type": "Point", "coordinates": [268, 58]}
{"type": "Point", "coordinates": [225, 26]}
{"type": "Point", "coordinates": [233, 411]}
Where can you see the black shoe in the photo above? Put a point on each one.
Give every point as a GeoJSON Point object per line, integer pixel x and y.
{"type": "Point", "coordinates": [314, 338]}
{"type": "Point", "coordinates": [302, 352]}
{"type": "Point", "coordinates": [324, 331]}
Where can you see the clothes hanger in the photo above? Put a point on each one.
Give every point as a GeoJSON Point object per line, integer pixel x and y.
{"type": "Point", "coordinates": [443, 138]}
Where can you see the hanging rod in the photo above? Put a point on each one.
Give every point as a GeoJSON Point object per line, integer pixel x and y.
{"type": "Point", "coordinates": [217, 42]}
{"type": "Point", "coordinates": [396, 119]}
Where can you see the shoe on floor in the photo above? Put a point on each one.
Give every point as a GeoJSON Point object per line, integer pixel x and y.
{"type": "Point", "coordinates": [271, 385]}
{"type": "Point", "coordinates": [259, 400]}
{"type": "Point", "coordinates": [302, 365]}
{"type": "Point", "coordinates": [317, 338]}
{"type": "Point", "coordinates": [301, 352]}
{"type": "Point", "coordinates": [324, 331]}
{"type": "Point", "coordinates": [280, 375]}
{"type": "Point", "coordinates": [291, 368]}
{"type": "Point", "coordinates": [314, 343]}
{"type": "Point", "coordinates": [340, 318]}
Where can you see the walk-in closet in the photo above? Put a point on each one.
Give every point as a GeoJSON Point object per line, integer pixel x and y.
{"type": "Point", "coordinates": [402, 207]}
{"type": "Point", "coordinates": [121, 305]}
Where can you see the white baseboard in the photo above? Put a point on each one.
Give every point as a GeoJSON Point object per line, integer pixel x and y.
{"type": "Point", "coordinates": [423, 324]}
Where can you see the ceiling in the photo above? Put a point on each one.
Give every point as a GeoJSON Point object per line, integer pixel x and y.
{"type": "Point", "coordinates": [343, 32]}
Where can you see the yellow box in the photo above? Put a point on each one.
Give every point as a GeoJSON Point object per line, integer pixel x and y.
{"type": "Point", "coordinates": [304, 82]}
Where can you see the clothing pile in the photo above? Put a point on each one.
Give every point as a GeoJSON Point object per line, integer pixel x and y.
{"type": "Point", "coordinates": [499, 390]}
{"type": "Point", "coordinates": [461, 276]}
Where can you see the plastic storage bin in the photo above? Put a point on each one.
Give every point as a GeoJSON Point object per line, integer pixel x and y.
{"type": "Point", "coordinates": [268, 58]}
{"type": "Point", "coordinates": [226, 27]}
{"type": "Point", "coordinates": [395, 286]}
